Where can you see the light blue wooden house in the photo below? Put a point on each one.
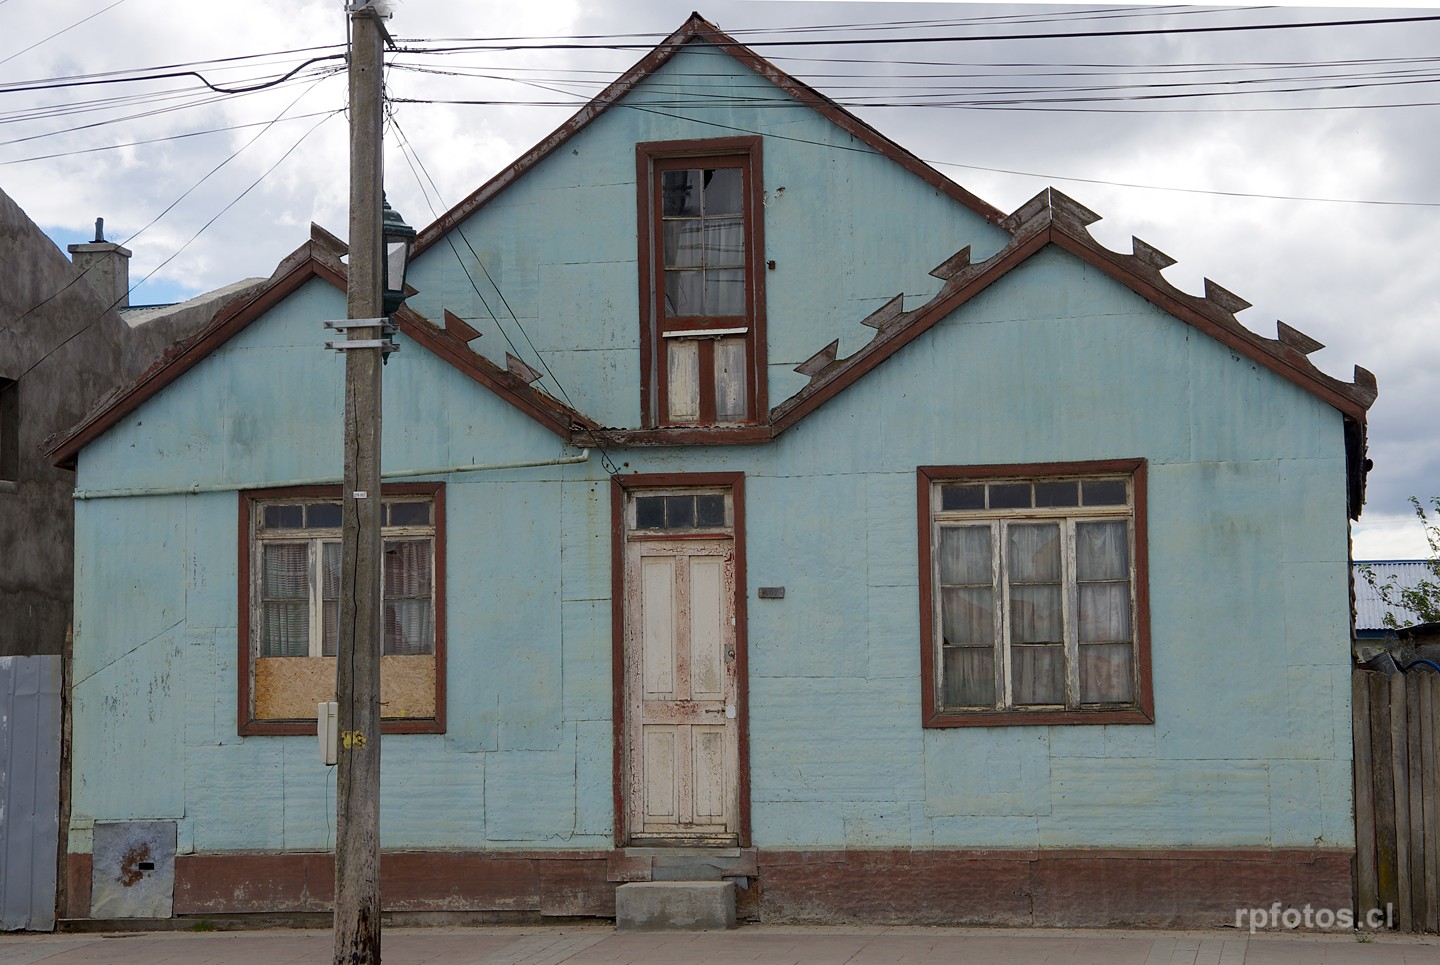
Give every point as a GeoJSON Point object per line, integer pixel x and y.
{"type": "Point", "coordinates": [760, 504]}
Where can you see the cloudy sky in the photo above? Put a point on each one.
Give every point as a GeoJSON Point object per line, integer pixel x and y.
{"type": "Point", "coordinates": [1294, 166]}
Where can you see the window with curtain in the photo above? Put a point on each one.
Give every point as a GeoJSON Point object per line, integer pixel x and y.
{"type": "Point", "coordinates": [292, 589]}
{"type": "Point", "coordinates": [703, 291]}
{"type": "Point", "coordinates": [1035, 594]}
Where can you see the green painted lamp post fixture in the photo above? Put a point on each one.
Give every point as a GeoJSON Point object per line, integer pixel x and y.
{"type": "Point", "coordinates": [399, 243]}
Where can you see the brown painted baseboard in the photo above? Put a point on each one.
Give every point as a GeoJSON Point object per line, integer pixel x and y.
{"type": "Point", "coordinates": [1060, 888]}
{"type": "Point", "coordinates": [568, 884]}
{"type": "Point", "coordinates": [1072, 887]}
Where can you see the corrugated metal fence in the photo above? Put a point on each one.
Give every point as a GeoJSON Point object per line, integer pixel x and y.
{"type": "Point", "coordinates": [29, 790]}
{"type": "Point", "coordinates": [1397, 795]}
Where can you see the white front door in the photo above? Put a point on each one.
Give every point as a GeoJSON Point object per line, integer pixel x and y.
{"type": "Point", "coordinates": [682, 727]}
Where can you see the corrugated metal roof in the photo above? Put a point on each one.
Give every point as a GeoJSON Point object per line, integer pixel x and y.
{"type": "Point", "coordinates": [1370, 610]}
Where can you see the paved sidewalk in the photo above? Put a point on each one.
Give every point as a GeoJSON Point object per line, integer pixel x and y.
{"type": "Point", "coordinates": [595, 944]}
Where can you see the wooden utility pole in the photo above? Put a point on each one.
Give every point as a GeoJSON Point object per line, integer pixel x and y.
{"type": "Point", "coordinates": [357, 678]}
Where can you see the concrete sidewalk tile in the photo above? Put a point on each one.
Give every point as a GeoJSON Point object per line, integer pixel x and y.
{"type": "Point", "coordinates": [545, 948]}
{"type": "Point", "coordinates": [771, 945]}
{"type": "Point", "coordinates": [19, 952]}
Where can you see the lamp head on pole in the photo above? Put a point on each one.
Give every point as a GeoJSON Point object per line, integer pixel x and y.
{"type": "Point", "coordinates": [399, 240]}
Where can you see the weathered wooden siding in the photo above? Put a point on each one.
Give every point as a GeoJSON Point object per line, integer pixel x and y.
{"type": "Point", "coordinates": [1397, 796]}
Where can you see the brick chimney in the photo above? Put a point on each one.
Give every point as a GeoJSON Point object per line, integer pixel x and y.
{"type": "Point", "coordinates": [106, 266]}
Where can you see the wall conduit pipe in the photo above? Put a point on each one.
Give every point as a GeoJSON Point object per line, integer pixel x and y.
{"type": "Point", "coordinates": [196, 488]}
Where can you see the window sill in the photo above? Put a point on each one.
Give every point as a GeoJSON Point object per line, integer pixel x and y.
{"type": "Point", "coordinates": [307, 728]}
{"type": "Point", "coordinates": [678, 436]}
{"type": "Point", "coordinates": [9, 486]}
{"type": "Point", "coordinates": [1035, 718]}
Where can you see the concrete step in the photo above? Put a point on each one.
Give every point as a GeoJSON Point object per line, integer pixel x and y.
{"type": "Point", "coordinates": [695, 864]}
{"type": "Point", "coordinates": [675, 905]}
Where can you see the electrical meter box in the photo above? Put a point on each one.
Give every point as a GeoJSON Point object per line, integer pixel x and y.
{"type": "Point", "coordinates": [327, 715]}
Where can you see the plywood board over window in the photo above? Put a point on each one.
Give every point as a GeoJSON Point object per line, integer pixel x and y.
{"type": "Point", "coordinates": [290, 573]}
{"type": "Point", "coordinates": [1033, 594]}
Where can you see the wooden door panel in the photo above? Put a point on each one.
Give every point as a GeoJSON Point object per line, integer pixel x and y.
{"type": "Point", "coordinates": [661, 768]}
{"type": "Point", "coordinates": [657, 615]}
{"type": "Point", "coordinates": [682, 732]}
{"type": "Point", "coordinates": [711, 780]}
{"type": "Point", "coordinates": [708, 628]}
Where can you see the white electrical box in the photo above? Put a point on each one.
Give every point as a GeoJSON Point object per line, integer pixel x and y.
{"type": "Point", "coordinates": [327, 715]}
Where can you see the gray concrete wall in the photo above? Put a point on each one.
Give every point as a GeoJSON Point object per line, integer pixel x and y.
{"type": "Point", "coordinates": [65, 349]}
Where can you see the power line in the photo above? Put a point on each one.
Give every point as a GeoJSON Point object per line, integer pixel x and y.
{"type": "Point", "coordinates": [952, 38]}
{"type": "Point", "coordinates": [1056, 105]}
{"type": "Point", "coordinates": [111, 307]}
{"type": "Point", "coordinates": [233, 155]}
{"type": "Point", "coordinates": [207, 100]}
{"type": "Point", "coordinates": [1031, 174]}
{"type": "Point", "coordinates": [648, 39]}
{"type": "Point", "coordinates": [928, 96]}
{"type": "Point", "coordinates": [954, 69]}
{"type": "Point", "coordinates": [7, 86]}
{"type": "Point", "coordinates": [413, 159]}
{"type": "Point", "coordinates": [238, 198]}
{"type": "Point", "coordinates": [165, 75]}
{"type": "Point", "coordinates": [59, 32]}
{"type": "Point", "coordinates": [190, 96]}
{"type": "Point", "coordinates": [172, 137]}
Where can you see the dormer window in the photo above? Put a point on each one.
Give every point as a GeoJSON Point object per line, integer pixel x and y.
{"type": "Point", "coordinates": [702, 293]}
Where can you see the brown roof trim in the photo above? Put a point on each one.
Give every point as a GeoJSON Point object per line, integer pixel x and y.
{"type": "Point", "coordinates": [698, 28]}
{"type": "Point", "coordinates": [453, 347]}
{"type": "Point", "coordinates": [1052, 218]}
{"type": "Point", "coordinates": [316, 258]}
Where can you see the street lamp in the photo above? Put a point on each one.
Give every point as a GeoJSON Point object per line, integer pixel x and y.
{"type": "Point", "coordinates": [399, 240]}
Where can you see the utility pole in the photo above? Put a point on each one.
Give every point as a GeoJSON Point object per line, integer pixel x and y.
{"type": "Point", "coordinates": [357, 678]}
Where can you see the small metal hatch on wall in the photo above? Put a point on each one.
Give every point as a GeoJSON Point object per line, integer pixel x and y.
{"type": "Point", "coordinates": [133, 870]}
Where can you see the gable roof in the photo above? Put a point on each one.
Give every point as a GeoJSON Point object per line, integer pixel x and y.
{"type": "Point", "coordinates": [698, 29]}
{"type": "Point", "coordinates": [1052, 218]}
{"type": "Point", "coordinates": [317, 258]}
{"type": "Point", "coordinates": [1048, 218]}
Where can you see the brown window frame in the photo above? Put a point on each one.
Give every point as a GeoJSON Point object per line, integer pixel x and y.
{"type": "Point", "coordinates": [247, 724]}
{"type": "Point", "coordinates": [1140, 710]}
{"type": "Point", "coordinates": [652, 158]}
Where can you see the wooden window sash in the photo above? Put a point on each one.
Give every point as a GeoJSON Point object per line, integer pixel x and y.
{"type": "Point", "coordinates": [315, 538]}
{"type": "Point", "coordinates": [999, 521]}
{"type": "Point", "coordinates": [658, 329]}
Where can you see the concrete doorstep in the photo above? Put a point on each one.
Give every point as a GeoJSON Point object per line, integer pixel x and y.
{"type": "Point", "coordinates": [675, 906]}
